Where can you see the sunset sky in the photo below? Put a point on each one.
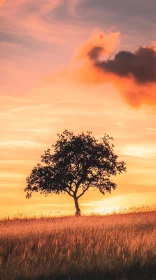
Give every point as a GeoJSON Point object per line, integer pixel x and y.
{"type": "Point", "coordinates": [61, 68]}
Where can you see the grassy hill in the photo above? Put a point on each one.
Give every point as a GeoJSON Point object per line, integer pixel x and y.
{"type": "Point", "coordinates": [119, 246]}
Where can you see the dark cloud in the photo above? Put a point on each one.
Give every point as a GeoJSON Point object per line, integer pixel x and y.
{"type": "Point", "coordinates": [133, 74]}
{"type": "Point", "coordinates": [95, 52]}
{"type": "Point", "coordinates": [140, 64]}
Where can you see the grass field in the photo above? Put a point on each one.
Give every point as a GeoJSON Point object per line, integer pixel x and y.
{"type": "Point", "coordinates": [121, 246]}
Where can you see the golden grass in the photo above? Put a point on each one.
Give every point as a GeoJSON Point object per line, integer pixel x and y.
{"type": "Point", "coordinates": [121, 246]}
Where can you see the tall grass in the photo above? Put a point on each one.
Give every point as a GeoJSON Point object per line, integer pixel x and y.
{"type": "Point", "coordinates": [74, 248]}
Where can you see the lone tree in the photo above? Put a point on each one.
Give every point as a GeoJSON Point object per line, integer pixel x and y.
{"type": "Point", "coordinates": [76, 163]}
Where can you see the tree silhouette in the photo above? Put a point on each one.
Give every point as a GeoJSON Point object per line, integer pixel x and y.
{"type": "Point", "coordinates": [76, 163]}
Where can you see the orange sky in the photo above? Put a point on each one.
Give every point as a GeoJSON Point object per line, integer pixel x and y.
{"type": "Point", "coordinates": [48, 84]}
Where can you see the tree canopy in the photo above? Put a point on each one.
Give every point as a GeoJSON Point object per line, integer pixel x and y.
{"type": "Point", "coordinates": [74, 164]}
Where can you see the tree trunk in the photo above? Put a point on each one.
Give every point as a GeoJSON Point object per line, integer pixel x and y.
{"type": "Point", "coordinates": [78, 211]}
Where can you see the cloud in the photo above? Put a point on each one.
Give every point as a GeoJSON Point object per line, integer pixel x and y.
{"type": "Point", "coordinates": [82, 68]}
{"type": "Point", "coordinates": [34, 22]}
{"type": "Point", "coordinates": [98, 44]}
{"type": "Point", "coordinates": [132, 73]}
{"type": "Point", "coordinates": [27, 144]}
{"type": "Point", "coordinates": [141, 65]}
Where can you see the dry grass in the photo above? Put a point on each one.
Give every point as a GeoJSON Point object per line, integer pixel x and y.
{"type": "Point", "coordinates": [95, 247]}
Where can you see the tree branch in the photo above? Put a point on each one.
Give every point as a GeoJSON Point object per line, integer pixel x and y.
{"type": "Point", "coordinates": [68, 192]}
{"type": "Point", "coordinates": [84, 191]}
{"type": "Point", "coordinates": [83, 176]}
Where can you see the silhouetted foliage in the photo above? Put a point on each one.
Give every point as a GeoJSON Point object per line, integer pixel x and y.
{"type": "Point", "coordinates": [76, 163]}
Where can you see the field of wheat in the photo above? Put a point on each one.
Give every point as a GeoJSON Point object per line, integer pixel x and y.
{"type": "Point", "coordinates": [121, 246]}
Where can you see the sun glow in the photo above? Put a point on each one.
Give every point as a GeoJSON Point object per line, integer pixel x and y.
{"type": "Point", "coordinates": [101, 210]}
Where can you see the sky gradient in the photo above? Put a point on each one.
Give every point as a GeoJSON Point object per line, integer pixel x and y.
{"type": "Point", "coordinates": [55, 74]}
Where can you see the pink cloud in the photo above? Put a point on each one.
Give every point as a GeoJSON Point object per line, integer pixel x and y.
{"type": "Point", "coordinates": [28, 42]}
{"type": "Point", "coordinates": [31, 18]}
